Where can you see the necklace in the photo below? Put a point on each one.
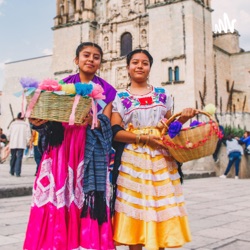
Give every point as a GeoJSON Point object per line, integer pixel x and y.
{"type": "Point", "coordinates": [139, 91]}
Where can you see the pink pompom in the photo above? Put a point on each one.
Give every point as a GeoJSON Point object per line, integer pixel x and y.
{"type": "Point", "coordinates": [50, 85]}
{"type": "Point", "coordinates": [97, 92]}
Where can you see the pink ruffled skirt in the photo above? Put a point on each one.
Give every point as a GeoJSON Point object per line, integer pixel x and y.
{"type": "Point", "coordinates": [54, 221]}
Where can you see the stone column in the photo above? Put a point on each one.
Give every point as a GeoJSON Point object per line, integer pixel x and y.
{"type": "Point", "coordinates": [57, 7]}
{"type": "Point", "coordinates": [77, 10]}
{"type": "Point", "coordinates": [78, 5]}
{"type": "Point", "coordinates": [89, 5]}
{"type": "Point", "coordinates": [66, 7]}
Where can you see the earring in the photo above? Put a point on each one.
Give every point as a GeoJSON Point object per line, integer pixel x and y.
{"type": "Point", "coordinates": [77, 68]}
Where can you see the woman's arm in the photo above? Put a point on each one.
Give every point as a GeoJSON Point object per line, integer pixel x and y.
{"type": "Point", "coordinates": [122, 136]}
{"type": "Point", "coordinates": [107, 110]}
{"type": "Point", "coordinates": [168, 114]}
{"type": "Point", "coordinates": [130, 138]}
{"type": "Point", "coordinates": [187, 114]}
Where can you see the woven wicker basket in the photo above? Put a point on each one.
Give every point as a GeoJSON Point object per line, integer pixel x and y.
{"type": "Point", "coordinates": [193, 142]}
{"type": "Point", "coordinates": [52, 107]}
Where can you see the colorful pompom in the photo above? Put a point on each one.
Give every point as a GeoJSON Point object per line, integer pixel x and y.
{"type": "Point", "coordinates": [97, 92]}
{"type": "Point", "coordinates": [28, 82]}
{"type": "Point", "coordinates": [50, 85]}
{"type": "Point", "coordinates": [69, 88]}
{"type": "Point", "coordinates": [61, 82]}
{"type": "Point", "coordinates": [210, 108]}
{"type": "Point", "coordinates": [83, 89]}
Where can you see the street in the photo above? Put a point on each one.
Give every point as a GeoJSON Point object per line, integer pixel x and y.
{"type": "Point", "coordinates": [219, 213]}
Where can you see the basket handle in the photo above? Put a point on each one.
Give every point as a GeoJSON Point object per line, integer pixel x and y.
{"type": "Point", "coordinates": [172, 118]}
{"type": "Point", "coordinates": [32, 103]}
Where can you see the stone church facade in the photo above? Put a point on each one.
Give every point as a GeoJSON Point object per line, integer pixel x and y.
{"type": "Point", "coordinates": [195, 65]}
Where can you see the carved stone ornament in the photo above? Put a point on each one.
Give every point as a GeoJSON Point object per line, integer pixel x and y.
{"type": "Point", "coordinates": [122, 79]}
{"type": "Point", "coordinates": [125, 11]}
{"type": "Point", "coordinates": [144, 41]}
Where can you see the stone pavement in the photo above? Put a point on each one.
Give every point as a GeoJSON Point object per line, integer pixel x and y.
{"type": "Point", "coordinates": [219, 211]}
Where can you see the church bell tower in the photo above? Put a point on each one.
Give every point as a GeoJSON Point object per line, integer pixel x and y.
{"type": "Point", "coordinates": [73, 24]}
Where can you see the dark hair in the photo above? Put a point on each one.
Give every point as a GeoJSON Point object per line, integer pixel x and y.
{"type": "Point", "coordinates": [230, 137]}
{"type": "Point", "coordinates": [130, 55]}
{"type": "Point", "coordinates": [87, 44]}
{"type": "Point", "coordinates": [19, 116]}
{"type": "Point", "coordinates": [248, 133]}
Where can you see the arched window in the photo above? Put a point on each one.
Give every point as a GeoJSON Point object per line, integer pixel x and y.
{"type": "Point", "coordinates": [61, 9]}
{"type": "Point", "coordinates": [72, 5]}
{"type": "Point", "coordinates": [170, 74]}
{"type": "Point", "coordinates": [176, 74]}
{"type": "Point", "coordinates": [126, 43]}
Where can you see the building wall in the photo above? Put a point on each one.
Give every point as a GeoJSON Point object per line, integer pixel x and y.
{"type": "Point", "coordinates": [240, 71]}
{"type": "Point", "coordinates": [222, 75]}
{"type": "Point", "coordinates": [177, 33]}
{"type": "Point", "coordinates": [231, 79]}
{"type": "Point", "coordinates": [185, 42]}
{"type": "Point", "coordinates": [228, 42]}
{"type": "Point", "coordinates": [240, 66]}
{"type": "Point", "coordinates": [37, 68]}
{"type": "Point", "coordinates": [172, 44]}
{"type": "Point", "coordinates": [66, 40]}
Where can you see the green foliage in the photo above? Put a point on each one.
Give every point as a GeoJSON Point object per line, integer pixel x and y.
{"type": "Point", "coordinates": [236, 132]}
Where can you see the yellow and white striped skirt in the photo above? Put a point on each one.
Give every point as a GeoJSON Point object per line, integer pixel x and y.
{"type": "Point", "coordinates": [150, 207]}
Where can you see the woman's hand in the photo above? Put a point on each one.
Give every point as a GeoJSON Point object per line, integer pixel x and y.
{"type": "Point", "coordinates": [88, 120]}
{"type": "Point", "coordinates": [187, 114]}
{"type": "Point", "coordinates": [37, 122]}
{"type": "Point", "coordinates": [153, 141]}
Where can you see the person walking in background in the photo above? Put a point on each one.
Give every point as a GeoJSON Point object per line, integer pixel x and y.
{"type": "Point", "coordinates": [70, 211]}
{"type": "Point", "coordinates": [5, 152]}
{"type": "Point", "coordinates": [3, 138]}
{"type": "Point", "coordinates": [149, 207]}
{"type": "Point", "coordinates": [245, 140]}
{"type": "Point", "coordinates": [18, 136]}
{"type": "Point", "coordinates": [3, 144]}
{"type": "Point", "coordinates": [234, 152]}
{"type": "Point", "coordinates": [34, 144]}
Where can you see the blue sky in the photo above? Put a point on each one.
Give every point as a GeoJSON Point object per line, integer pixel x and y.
{"type": "Point", "coordinates": [25, 27]}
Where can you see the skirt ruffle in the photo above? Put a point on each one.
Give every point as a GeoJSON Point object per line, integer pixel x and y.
{"type": "Point", "coordinates": [150, 204]}
{"type": "Point", "coordinates": [54, 222]}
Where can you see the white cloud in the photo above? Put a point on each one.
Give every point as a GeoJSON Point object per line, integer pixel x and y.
{"type": "Point", "coordinates": [47, 52]}
{"type": "Point", "coordinates": [1, 3]}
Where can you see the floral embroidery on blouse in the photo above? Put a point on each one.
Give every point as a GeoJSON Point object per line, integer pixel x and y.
{"type": "Point", "coordinates": [157, 96]}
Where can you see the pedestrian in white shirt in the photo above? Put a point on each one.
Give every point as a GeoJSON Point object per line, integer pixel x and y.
{"type": "Point", "coordinates": [234, 152]}
{"type": "Point", "coordinates": [19, 136]}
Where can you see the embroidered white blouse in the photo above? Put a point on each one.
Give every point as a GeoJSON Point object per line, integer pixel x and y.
{"type": "Point", "coordinates": [143, 110]}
